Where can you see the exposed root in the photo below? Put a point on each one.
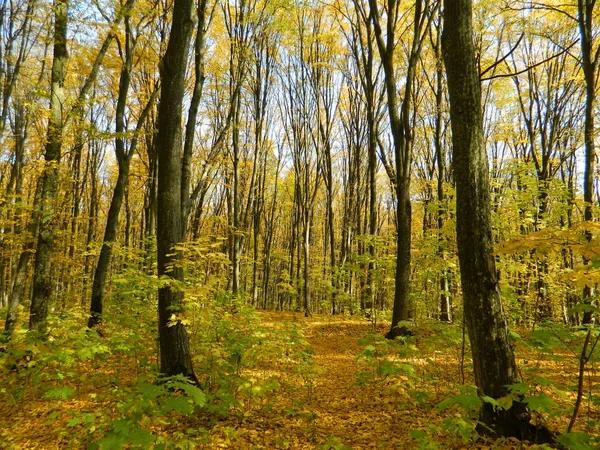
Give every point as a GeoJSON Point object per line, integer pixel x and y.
{"type": "Point", "coordinates": [514, 422]}
{"type": "Point", "coordinates": [399, 331]}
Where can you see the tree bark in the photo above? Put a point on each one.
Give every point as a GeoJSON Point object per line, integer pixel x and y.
{"type": "Point", "coordinates": [494, 363]}
{"type": "Point", "coordinates": [42, 282]}
{"type": "Point", "coordinates": [175, 356]}
{"type": "Point", "coordinates": [401, 128]}
{"type": "Point", "coordinates": [589, 62]}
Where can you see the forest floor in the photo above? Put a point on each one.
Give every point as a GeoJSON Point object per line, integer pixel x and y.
{"type": "Point", "coordinates": [324, 407]}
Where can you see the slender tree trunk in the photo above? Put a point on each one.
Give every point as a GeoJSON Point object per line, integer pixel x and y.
{"type": "Point", "coordinates": [236, 229]}
{"type": "Point", "coordinates": [190, 129]}
{"type": "Point", "coordinates": [110, 234]}
{"type": "Point", "coordinates": [400, 122]}
{"type": "Point", "coordinates": [440, 154]}
{"type": "Point", "coordinates": [306, 263]}
{"type": "Point", "coordinates": [123, 155]}
{"type": "Point", "coordinates": [589, 62]}
{"type": "Point", "coordinates": [151, 201]}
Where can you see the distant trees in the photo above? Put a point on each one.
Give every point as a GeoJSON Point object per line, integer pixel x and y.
{"type": "Point", "coordinates": [309, 147]}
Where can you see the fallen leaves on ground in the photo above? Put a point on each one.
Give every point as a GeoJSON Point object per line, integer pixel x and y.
{"type": "Point", "coordinates": [322, 407]}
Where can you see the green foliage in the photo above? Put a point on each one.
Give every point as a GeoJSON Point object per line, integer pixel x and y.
{"type": "Point", "coordinates": [384, 360]}
{"type": "Point", "coordinates": [541, 403]}
{"type": "Point", "coordinates": [333, 443]}
{"type": "Point", "coordinates": [468, 401]}
{"type": "Point", "coordinates": [425, 438]}
{"type": "Point", "coordinates": [150, 401]}
{"type": "Point", "coordinates": [61, 393]}
{"type": "Point", "coordinates": [578, 441]}
{"type": "Point", "coordinates": [466, 406]}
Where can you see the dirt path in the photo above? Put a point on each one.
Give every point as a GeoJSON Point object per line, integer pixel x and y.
{"type": "Point", "coordinates": [353, 415]}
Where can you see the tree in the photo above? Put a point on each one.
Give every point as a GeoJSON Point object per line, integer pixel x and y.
{"type": "Point", "coordinates": [42, 283]}
{"type": "Point", "coordinates": [494, 365]}
{"type": "Point", "coordinates": [402, 135]}
{"type": "Point", "coordinates": [175, 356]}
{"type": "Point", "coordinates": [123, 153]}
{"type": "Point", "coordinates": [589, 63]}
{"type": "Point", "coordinates": [57, 122]}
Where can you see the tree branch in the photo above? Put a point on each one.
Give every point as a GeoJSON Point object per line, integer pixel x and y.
{"type": "Point", "coordinates": [533, 66]}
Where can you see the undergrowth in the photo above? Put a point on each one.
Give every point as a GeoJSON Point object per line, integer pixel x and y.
{"type": "Point", "coordinates": [549, 360]}
{"type": "Point", "coordinates": [108, 381]}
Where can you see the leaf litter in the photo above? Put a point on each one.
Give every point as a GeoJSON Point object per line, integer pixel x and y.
{"type": "Point", "coordinates": [323, 405]}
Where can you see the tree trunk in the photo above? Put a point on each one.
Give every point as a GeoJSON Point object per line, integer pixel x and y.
{"type": "Point", "coordinates": [42, 281]}
{"type": "Point", "coordinates": [440, 155]}
{"type": "Point", "coordinates": [589, 62]}
{"type": "Point", "coordinates": [175, 356]}
{"type": "Point", "coordinates": [190, 129]}
{"type": "Point", "coordinates": [123, 155]}
{"type": "Point", "coordinates": [400, 124]}
{"type": "Point", "coordinates": [110, 234]}
{"type": "Point", "coordinates": [494, 363]}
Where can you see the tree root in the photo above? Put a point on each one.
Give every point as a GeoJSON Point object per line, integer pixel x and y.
{"type": "Point", "coordinates": [514, 422]}
{"type": "Point", "coordinates": [398, 331]}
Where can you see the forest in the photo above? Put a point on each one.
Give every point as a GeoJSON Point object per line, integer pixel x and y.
{"type": "Point", "coordinates": [289, 224]}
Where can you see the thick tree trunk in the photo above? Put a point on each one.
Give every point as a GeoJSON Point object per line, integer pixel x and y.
{"type": "Point", "coordinates": [494, 363]}
{"type": "Point", "coordinates": [175, 356]}
{"type": "Point", "coordinates": [403, 257]}
{"type": "Point", "coordinates": [42, 279]}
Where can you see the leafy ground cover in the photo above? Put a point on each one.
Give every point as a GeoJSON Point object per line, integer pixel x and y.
{"type": "Point", "coordinates": [275, 381]}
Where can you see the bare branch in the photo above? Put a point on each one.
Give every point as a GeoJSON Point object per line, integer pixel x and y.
{"type": "Point", "coordinates": [533, 66]}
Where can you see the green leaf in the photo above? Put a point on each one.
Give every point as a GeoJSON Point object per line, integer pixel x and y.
{"type": "Point", "coordinates": [519, 388]}
{"type": "Point", "coordinates": [577, 441]}
{"type": "Point", "coordinates": [468, 402]}
{"type": "Point", "coordinates": [370, 349]}
{"type": "Point", "coordinates": [140, 437]}
{"type": "Point", "coordinates": [506, 401]}
{"type": "Point", "coordinates": [417, 434]}
{"type": "Point", "coordinates": [515, 336]}
{"type": "Point", "coordinates": [582, 308]}
{"type": "Point", "coordinates": [74, 422]}
{"type": "Point", "coordinates": [150, 391]}
{"type": "Point", "coordinates": [491, 401]}
{"type": "Point", "coordinates": [61, 393]}
{"type": "Point", "coordinates": [112, 441]}
{"type": "Point", "coordinates": [541, 403]}
{"type": "Point", "coordinates": [178, 404]}
{"type": "Point", "coordinates": [195, 394]}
